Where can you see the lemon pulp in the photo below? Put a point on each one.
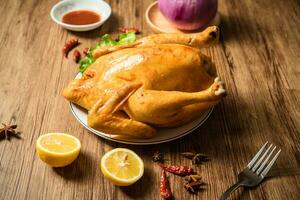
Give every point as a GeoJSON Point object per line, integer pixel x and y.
{"type": "Point", "coordinates": [122, 166]}
{"type": "Point", "coordinates": [58, 144]}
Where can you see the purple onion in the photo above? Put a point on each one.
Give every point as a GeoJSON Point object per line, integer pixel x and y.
{"type": "Point", "coordinates": [189, 14]}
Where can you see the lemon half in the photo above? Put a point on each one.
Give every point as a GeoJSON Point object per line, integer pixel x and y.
{"type": "Point", "coordinates": [122, 166]}
{"type": "Point", "coordinates": [58, 149]}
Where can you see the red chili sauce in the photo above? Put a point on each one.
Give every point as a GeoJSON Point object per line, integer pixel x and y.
{"type": "Point", "coordinates": [81, 17]}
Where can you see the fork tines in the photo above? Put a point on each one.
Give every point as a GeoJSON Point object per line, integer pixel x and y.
{"type": "Point", "coordinates": [264, 160]}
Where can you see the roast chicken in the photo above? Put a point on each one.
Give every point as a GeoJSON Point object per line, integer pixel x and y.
{"type": "Point", "coordinates": [162, 80]}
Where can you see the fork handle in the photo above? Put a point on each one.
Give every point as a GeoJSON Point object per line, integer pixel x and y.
{"type": "Point", "coordinates": [230, 190]}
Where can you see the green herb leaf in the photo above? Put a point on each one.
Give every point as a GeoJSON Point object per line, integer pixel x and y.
{"type": "Point", "coordinates": [86, 61]}
{"type": "Point", "coordinates": [106, 41]}
{"type": "Point", "coordinates": [126, 38]}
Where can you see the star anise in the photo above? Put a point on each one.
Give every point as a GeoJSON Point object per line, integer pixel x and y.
{"type": "Point", "coordinates": [193, 183]}
{"type": "Point", "coordinates": [158, 157]}
{"type": "Point", "coordinates": [8, 131]}
{"type": "Point", "coordinates": [196, 158]}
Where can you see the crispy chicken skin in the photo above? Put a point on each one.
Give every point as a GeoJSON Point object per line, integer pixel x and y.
{"type": "Point", "coordinates": [162, 80]}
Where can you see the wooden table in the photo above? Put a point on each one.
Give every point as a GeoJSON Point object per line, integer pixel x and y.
{"type": "Point", "coordinates": [258, 57]}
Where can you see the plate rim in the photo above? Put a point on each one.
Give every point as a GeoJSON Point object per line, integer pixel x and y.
{"type": "Point", "coordinates": [141, 143]}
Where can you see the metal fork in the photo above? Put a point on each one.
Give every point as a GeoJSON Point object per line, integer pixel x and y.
{"type": "Point", "coordinates": [256, 169]}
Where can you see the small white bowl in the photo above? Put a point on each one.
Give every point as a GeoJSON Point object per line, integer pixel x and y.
{"type": "Point", "coordinates": [65, 6]}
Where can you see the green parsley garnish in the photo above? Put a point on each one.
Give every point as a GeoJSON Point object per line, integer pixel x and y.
{"type": "Point", "coordinates": [86, 61]}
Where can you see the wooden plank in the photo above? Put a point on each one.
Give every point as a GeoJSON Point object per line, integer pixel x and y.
{"type": "Point", "coordinates": [258, 57]}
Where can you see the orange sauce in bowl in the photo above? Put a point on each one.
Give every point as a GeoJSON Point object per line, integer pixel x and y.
{"type": "Point", "coordinates": [81, 17]}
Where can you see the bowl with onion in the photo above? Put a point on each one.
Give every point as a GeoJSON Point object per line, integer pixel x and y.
{"type": "Point", "coordinates": [189, 15]}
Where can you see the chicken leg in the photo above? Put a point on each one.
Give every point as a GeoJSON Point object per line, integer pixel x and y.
{"type": "Point", "coordinates": [205, 38]}
{"type": "Point", "coordinates": [172, 105]}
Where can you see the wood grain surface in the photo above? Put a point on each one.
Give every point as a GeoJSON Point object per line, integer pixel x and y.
{"type": "Point", "coordinates": [258, 57]}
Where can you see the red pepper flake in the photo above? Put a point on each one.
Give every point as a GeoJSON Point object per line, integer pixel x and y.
{"type": "Point", "coordinates": [69, 46]}
{"type": "Point", "coordinates": [128, 30]}
{"type": "Point", "coordinates": [85, 51]}
{"type": "Point", "coordinates": [76, 56]}
{"type": "Point", "coordinates": [178, 170]}
{"type": "Point", "coordinates": [164, 187]}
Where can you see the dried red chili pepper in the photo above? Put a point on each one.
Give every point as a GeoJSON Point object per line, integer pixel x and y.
{"type": "Point", "coordinates": [178, 170]}
{"type": "Point", "coordinates": [85, 51]}
{"type": "Point", "coordinates": [76, 55]}
{"type": "Point", "coordinates": [69, 46]}
{"type": "Point", "coordinates": [164, 187]}
{"type": "Point", "coordinates": [127, 30]}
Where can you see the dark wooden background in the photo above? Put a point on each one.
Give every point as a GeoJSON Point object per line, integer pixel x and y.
{"type": "Point", "coordinates": [258, 57]}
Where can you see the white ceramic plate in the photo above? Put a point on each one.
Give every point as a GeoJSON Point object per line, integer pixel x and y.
{"type": "Point", "coordinates": [98, 6]}
{"type": "Point", "coordinates": [163, 135]}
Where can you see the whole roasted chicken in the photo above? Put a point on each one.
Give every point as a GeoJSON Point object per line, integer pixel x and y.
{"type": "Point", "coordinates": [162, 80]}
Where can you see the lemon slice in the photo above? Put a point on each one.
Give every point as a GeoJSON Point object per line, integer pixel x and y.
{"type": "Point", "coordinates": [58, 149]}
{"type": "Point", "coordinates": [122, 166]}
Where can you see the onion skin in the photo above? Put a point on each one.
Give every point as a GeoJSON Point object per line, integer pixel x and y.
{"type": "Point", "coordinates": [189, 14]}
